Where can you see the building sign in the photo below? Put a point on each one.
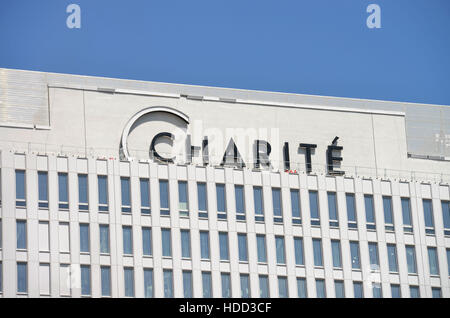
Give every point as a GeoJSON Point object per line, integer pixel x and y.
{"type": "Point", "coordinates": [231, 155]}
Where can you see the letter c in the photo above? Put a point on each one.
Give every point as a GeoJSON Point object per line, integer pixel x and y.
{"type": "Point", "coordinates": [155, 153]}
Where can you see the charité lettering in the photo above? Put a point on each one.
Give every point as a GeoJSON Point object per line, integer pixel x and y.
{"type": "Point", "coordinates": [262, 150]}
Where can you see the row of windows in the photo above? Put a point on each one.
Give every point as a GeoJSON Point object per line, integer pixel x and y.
{"type": "Point", "coordinates": [185, 239]}
{"type": "Point", "coordinates": [225, 279]}
{"type": "Point", "coordinates": [239, 199]}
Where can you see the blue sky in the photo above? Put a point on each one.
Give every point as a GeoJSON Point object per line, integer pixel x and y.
{"type": "Point", "coordinates": [320, 47]}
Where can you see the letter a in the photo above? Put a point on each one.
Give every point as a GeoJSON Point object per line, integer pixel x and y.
{"type": "Point", "coordinates": [374, 20]}
{"type": "Point", "coordinates": [74, 19]}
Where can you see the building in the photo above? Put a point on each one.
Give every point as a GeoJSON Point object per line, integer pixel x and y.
{"type": "Point", "coordinates": [122, 188]}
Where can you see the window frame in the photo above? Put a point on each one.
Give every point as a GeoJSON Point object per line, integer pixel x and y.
{"type": "Point", "coordinates": [350, 223]}
{"type": "Point", "coordinates": [334, 223]}
{"type": "Point", "coordinates": [370, 226]}
{"type": "Point", "coordinates": [21, 202]}
{"type": "Point", "coordinates": [103, 207]}
{"type": "Point", "coordinates": [183, 211]}
{"type": "Point", "coordinates": [276, 197]}
{"type": "Point", "coordinates": [296, 220]}
{"type": "Point", "coordinates": [144, 187]}
{"type": "Point", "coordinates": [221, 215]}
{"type": "Point", "coordinates": [240, 215]}
{"type": "Point", "coordinates": [83, 206]}
{"type": "Point", "coordinates": [42, 203]}
{"type": "Point", "coordinates": [315, 221]}
{"type": "Point", "coordinates": [125, 184]}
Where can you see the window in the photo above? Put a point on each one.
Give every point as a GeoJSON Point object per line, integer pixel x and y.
{"type": "Point", "coordinates": [433, 261]}
{"type": "Point", "coordinates": [226, 285]}
{"type": "Point", "coordinates": [428, 214]}
{"type": "Point", "coordinates": [245, 286]}
{"type": "Point", "coordinates": [242, 247]}
{"type": "Point", "coordinates": [282, 287]}
{"type": "Point", "coordinates": [145, 195]}
{"type": "Point", "coordinates": [187, 284]}
{"type": "Point", "coordinates": [64, 237]}
{"type": "Point", "coordinates": [44, 279]}
{"type": "Point", "coordinates": [206, 284]}
{"type": "Point", "coordinates": [261, 246]}
{"type": "Point", "coordinates": [279, 246]}
{"type": "Point", "coordinates": [85, 280]}
{"type": "Point", "coordinates": [22, 278]}
{"type": "Point", "coordinates": [166, 243]}
{"type": "Point", "coordinates": [259, 207]}
{"type": "Point", "coordinates": [221, 202]}
{"type": "Point", "coordinates": [336, 253]}
{"type": "Point", "coordinates": [127, 240]}
{"type": "Point", "coordinates": [1, 278]}
{"type": "Point", "coordinates": [370, 214]}
{"type": "Point", "coordinates": [376, 290]}
{"type": "Point", "coordinates": [414, 292]}
{"type": "Point", "coordinates": [20, 188]}
{"type": "Point", "coordinates": [263, 286]}
{"type": "Point", "coordinates": [83, 204]}
{"type": "Point", "coordinates": [84, 238]}
{"type": "Point", "coordinates": [436, 292]}
{"type": "Point", "coordinates": [301, 287]}
{"type": "Point", "coordinates": [223, 244]}
{"type": "Point", "coordinates": [105, 272]}
{"type": "Point", "coordinates": [295, 206]}
{"type": "Point", "coordinates": [446, 216]}
{"type": "Point", "coordinates": [63, 191]}
{"type": "Point", "coordinates": [183, 199]}
{"type": "Point", "coordinates": [373, 256]}
{"type": "Point", "coordinates": [104, 238]}
{"type": "Point", "coordinates": [339, 288]}
{"type": "Point", "coordinates": [21, 232]}
{"type": "Point", "coordinates": [128, 274]}
{"type": "Point", "coordinates": [448, 259]}
{"type": "Point", "coordinates": [126, 196]}
{"type": "Point", "coordinates": [351, 210]}
{"type": "Point", "coordinates": [317, 249]}
{"type": "Point", "coordinates": [240, 203]}
{"type": "Point", "coordinates": [388, 217]}
{"type": "Point", "coordinates": [395, 291]}
{"type": "Point", "coordinates": [332, 209]}
{"type": "Point", "coordinates": [185, 244]}
{"type": "Point", "coordinates": [168, 283]}
{"type": "Point", "coordinates": [148, 282]}
{"type": "Point", "coordinates": [64, 279]}
{"type": "Point", "coordinates": [202, 200]}
{"type": "Point", "coordinates": [298, 247]}
{"type": "Point", "coordinates": [392, 258]}
{"type": "Point", "coordinates": [406, 215]}
{"type": "Point", "coordinates": [276, 202]}
{"type": "Point", "coordinates": [354, 251]}
{"type": "Point", "coordinates": [164, 197]}
{"type": "Point", "coordinates": [43, 189]}
{"type": "Point", "coordinates": [411, 259]}
{"type": "Point", "coordinates": [320, 288]}
{"type": "Point", "coordinates": [147, 241]}
{"type": "Point", "coordinates": [204, 244]}
{"type": "Point", "coordinates": [314, 207]}
{"type": "Point", "coordinates": [102, 193]}
{"type": "Point", "coordinates": [358, 289]}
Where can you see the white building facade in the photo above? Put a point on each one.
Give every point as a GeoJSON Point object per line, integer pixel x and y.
{"type": "Point", "coordinates": [117, 188]}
